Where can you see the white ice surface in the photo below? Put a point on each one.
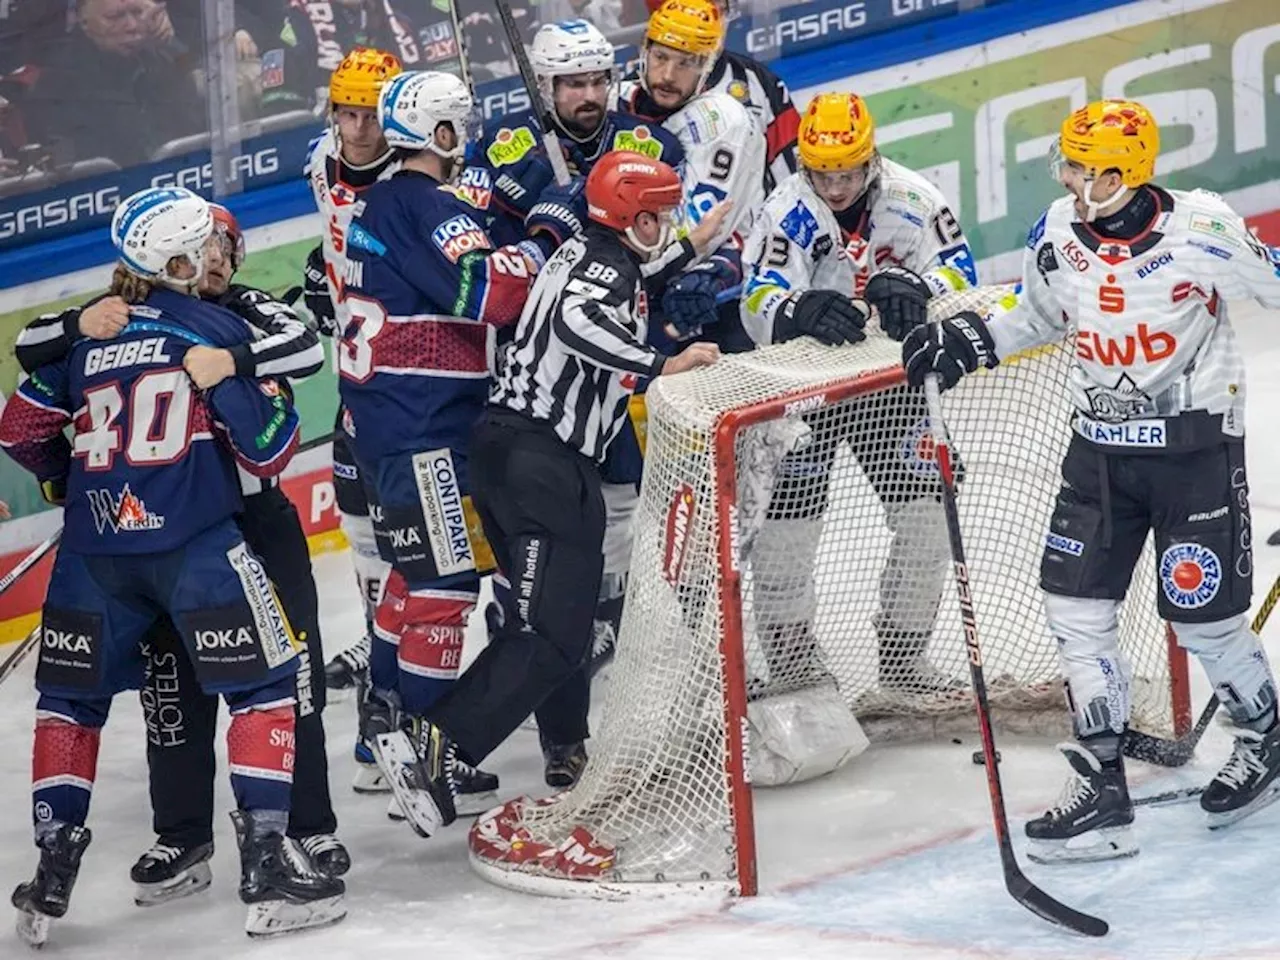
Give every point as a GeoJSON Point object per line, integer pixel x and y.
{"type": "Point", "coordinates": [892, 857]}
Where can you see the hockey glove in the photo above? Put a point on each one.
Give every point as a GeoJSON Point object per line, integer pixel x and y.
{"type": "Point", "coordinates": [561, 211]}
{"type": "Point", "coordinates": [689, 303]}
{"type": "Point", "coordinates": [827, 316]}
{"type": "Point", "coordinates": [902, 299]}
{"type": "Point", "coordinates": [315, 293]}
{"type": "Point", "coordinates": [950, 349]}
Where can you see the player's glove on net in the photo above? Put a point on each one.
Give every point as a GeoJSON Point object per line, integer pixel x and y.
{"type": "Point", "coordinates": [950, 348]}
{"type": "Point", "coordinates": [901, 298]}
{"type": "Point", "coordinates": [829, 317]}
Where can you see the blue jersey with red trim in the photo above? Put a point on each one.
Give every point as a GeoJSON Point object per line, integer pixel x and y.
{"type": "Point", "coordinates": [424, 290]}
{"type": "Point", "coordinates": [147, 466]}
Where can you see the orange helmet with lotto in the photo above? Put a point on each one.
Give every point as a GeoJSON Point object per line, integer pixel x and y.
{"type": "Point", "coordinates": [836, 132]}
{"type": "Point", "coordinates": [359, 77]}
{"type": "Point", "coordinates": [1110, 135]}
{"type": "Point", "coordinates": [691, 26]}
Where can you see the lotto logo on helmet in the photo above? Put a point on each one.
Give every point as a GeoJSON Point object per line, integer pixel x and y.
{"type": "Point", "coordinates": [459, 235]}
{"type": "Point", "coordinates": [1190, 575]}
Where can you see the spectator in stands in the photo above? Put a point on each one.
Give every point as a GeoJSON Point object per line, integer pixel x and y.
{"type": "Point", "coordinates": [108, 90]}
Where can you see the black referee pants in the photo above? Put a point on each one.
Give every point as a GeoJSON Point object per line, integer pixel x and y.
{"type": "Point", "coordinates": [543, 514]}
{"type": "Point", "coordinates": [182, 719]}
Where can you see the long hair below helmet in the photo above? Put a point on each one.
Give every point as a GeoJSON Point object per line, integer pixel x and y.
{"type": "Point", "coordinates": [158, 225]}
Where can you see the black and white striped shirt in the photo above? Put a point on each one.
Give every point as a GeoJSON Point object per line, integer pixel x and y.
{"type": "Point", "coordinates": [579, 350]}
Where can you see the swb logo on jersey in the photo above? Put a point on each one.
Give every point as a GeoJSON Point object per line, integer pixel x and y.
{"type": "Point", "coordinates": [1190, 575]}
{"type": "Point", "coordinates": [123, 514]}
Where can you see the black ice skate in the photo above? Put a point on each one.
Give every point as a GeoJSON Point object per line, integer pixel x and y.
{"type": "Point", "coordinates": [281, 890]}
{"type": "Point", "coordinates": [563, 764]}
{"type": "Point", "coordinates": [1247, 782]}
{"type": "Point", "coordinates": [420, 763]}
{"type": "Point", "coordinates": [169, 872]}
{"type": "Point", "coordinates": [48, 895]}
{"type": "Point", "coordinates": [326, 854]}
{"type": "Point", "coordinates": [477, 793]}
{"type": "Point", "coordinates": [343, 672]}
{"type": "Point", "coordinates": [1093, 817]}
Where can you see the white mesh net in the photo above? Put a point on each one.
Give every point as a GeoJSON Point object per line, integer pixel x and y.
{"type": "Point", "coordinates": [810, 552]}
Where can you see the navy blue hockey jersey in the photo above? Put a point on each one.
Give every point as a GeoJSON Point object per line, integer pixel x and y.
{"type": "Point", "coordinates": [425, 289]}
{"type": "Point", "coordinates": [509, 168]}
{"type": "Point", "coordinates": [145, 467]}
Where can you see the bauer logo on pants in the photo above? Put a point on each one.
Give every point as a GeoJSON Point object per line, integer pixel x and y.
{"type": "Point", "coordinates": [273, 631]}
{"type": "Point", "coordinates": [441, 497]}
{"type": "Point", "coordinates": [1190, 574]}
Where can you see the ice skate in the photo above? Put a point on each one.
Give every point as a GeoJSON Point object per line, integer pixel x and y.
{"type": "Point", "coordinates": [282, 892]}
{"type": "Point", "coordinates": [1092, 819]}
{"type": "Point", "coordinates": [420, 765]}
{"type": "Point", "coordinates": [368, 778]}
{"type": "Point", "coordinates": [326, 854]}
{"type": "Point", "coordinates": [343, 673]}
{"type": "Point", "coordinates": [477, 793]}
{"type": "Point", "coordinates": [48, 895]}
{"type": "Point", "coordinates": [1247, 782]}
{"type": "Point", "coordinates": [169, 872]}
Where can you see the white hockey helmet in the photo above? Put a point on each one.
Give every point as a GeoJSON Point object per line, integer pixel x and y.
{"type": "Point", "coordinates": [157, 224]}
{"type": "Point", "coordinates": [412, 105]}
{"type": "Point", "coordinates": [566, 48]}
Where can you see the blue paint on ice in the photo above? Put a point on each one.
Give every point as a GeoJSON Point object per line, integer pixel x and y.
{"type": "Point", "coordinates": [1188, 893]}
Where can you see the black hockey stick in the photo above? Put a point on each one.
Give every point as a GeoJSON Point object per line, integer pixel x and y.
{"type": "Point", "coordinates": [541, 110]}
{"type": "Point", "coordinates": [1174, 753]}
{"type": "Point", "coordinates": [314, 442]}
{"type": "Point", "coordinates": [29, 561]}
{"type": "Point", "coordinates": [1015, 881]}
{"type": "Point", "coordinates": [24, 647]}
{"type": "Point", "coordinates": [1181, 795]}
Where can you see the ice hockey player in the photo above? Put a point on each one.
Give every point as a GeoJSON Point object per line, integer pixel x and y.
{"type": "Point", "coordinates": [426, 290]}
{"type": "Point", "coordinates": [350, 155]}
{"type": "Point", "coordinates": [852, 230]}
{"type": "Point", "coordinates": [1140, 275]}
{"type": "Point", "coordinates": [579, 349]}
{"type": "Point", "coordinates": [137, 541]}
{"type": "Point", "coordinates": [180, 746]}
{"type": "Point", "coordinates": [762, 91]}
{"type": "Point", "coordinates": [573, 63]}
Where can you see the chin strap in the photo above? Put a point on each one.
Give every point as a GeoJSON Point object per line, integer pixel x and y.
{"type": "Point", "coordinates": [1092, 209]}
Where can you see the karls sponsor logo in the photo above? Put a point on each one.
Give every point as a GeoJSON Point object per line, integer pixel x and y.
{"type": "Point", "coordinates": [1151, 347]}
{"type": "Point", "coordinates": [678, 529]}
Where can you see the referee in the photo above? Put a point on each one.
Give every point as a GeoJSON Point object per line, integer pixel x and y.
{"type": "Point", "coordinates": [578, 353]}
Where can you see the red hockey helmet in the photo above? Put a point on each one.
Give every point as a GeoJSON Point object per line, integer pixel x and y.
{"type": "Point", "coordinates": [226, 226]}
{"type": "Point", "coordinates": [624, 184]}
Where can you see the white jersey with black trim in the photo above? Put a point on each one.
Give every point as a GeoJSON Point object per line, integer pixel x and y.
{"type": "Point", "coordinates": [336, 186]}
{"type": "Point", "coordinates": [797, 244]}
{"type": "Point", "coordinates": [724, 158]}
{"type": "Point", "coordinates": [1147, 318]}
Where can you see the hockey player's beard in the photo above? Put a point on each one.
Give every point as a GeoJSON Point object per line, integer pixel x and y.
{"type": "Point", "coordinates": [585, 122]}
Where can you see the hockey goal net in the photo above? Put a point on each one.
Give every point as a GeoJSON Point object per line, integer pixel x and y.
{"type": "Point", "coordinates": [789, 539]}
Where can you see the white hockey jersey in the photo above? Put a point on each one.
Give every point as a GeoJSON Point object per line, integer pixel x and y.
{"type": "Point", "coordinates": [336, 186]}
{"type": "Point", "coordinates": [797, 244]}
{"type": "Point", "coordinates": [725, 155]}
{"type": "Point", "coordinates": [1147, 319]}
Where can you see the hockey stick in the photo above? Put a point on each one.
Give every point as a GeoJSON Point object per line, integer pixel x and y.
{"type": "Point", "coordinates": [1174, 753]}
{"type": "Point", "coordinates": [1015, 881]}
{"type": "Point", "coordinates": [29, 561]}
{"type": "Point", "coordinates": [314, 442]}
{"type": "Point", "coordinates": [14, 660]}
{"type": "Point", "coordinates": [549, 139]}
{"type": "Point", "coordinates": [1168, 797]}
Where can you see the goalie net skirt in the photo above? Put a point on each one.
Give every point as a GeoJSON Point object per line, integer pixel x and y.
{"type": "Point", "coordinates": [790, 539]}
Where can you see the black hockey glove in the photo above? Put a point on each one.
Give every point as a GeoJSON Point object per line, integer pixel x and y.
{"type": "Point", "coordinates": [827, 316]}
{"type": "Point", "coordinates": [950, 348]}
{"type": "Point", "coordinates": [902, 299]}
{"type": "Point", "coordinates": [689, 302]}
{"type": "Point", "coordinates": [561, 211]}
{"type": "Point", "coordinates": [315, 293]}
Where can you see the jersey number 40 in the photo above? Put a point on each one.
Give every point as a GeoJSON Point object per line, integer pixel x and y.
{"type": "Point", "coordinates": [159, 428]}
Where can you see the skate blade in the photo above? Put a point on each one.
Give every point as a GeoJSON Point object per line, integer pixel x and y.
{"type": "Point", "coordinates": [369, 780]}
{"type": "Point", "coordinates": [33, 928]}
{"type": "Point", "coordinates": [1217, 821]}
{"type": "Point", "coordinates": [474, 804]}
{"type": "Point", "coordinates": [395, 755]}
{"type": "Point", "coordinates": [275, 918]}
{"type": "Point", "coordinates": [195, 878]}
{"type": "Point", "coordinates": [1109, 843]}
{"type": "Point", "coordinates": [394, 813]}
